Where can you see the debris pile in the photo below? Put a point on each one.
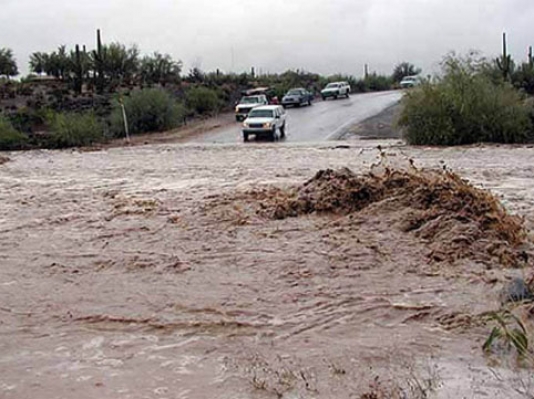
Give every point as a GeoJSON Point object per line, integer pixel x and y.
{"type": "Point", "coordinates": [456, 219]}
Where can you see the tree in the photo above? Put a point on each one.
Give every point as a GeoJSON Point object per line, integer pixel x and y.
{"type": "Point", "coordinates": [8, 65]}
{"type": "Point", "coordinates": [160, 68]}
{"type": "Point", "coordinates": [37, 62]}
{"type": "Point", "coordinates": [196, 75]}
{"type": "Point", "coordinates": [120, 63]}
{"type": "Point", "coordinates": [404, 69]}
{"type": "Point", "coordinates": [57, 64]}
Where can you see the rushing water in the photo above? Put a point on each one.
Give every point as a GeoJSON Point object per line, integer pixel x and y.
{"type": "Point", "coordinates": [131, 273]}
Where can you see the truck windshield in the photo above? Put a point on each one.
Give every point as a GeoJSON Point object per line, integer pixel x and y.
{"type": "Point", "coordinates": [332, 86]}
{"type": "Point", "coordinates": [261, 113]}
{"type": "Point", "coordinates": [250, 100]}
{"type": "Point", "coordinates": [293, 92]}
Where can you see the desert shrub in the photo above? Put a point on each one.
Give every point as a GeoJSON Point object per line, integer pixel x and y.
{"type": "Point", "coordinates": [523, 78]}
{"type": "Point", "coordinates": [10, 138]}
{"type": "Point", "coordinates": [375, 82]}
{"type": "Point", "coordinates": [465, 106]}
{"type": "Point", "coordinates": [201, 100]}
{"type": "Point", "coordinates": [28, 119]}
{"type": "Point", "coordinates": [147, 110]}
{"type": "Point", "coordinates": [74, 130]}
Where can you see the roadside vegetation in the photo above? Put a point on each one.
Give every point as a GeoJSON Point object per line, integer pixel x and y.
{"type": "Point", "coordinates": [10, 138]}
{"type": "Point", "coordinates": [148, 110]}
{"type": "Point", "coordinates": [474, 100]}
{"type": "Point", "coordinates": [70, 86]}
{"type": "Point", "coordinates": [71, 129]}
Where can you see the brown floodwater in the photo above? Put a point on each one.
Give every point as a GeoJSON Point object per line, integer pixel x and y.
{"type": "Point", "coordinates": [143, 272]}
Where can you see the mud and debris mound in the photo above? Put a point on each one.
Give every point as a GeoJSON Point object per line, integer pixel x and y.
{"type": "Point", "coordinates": [456, 219]}
{"type": "Point", "coordinates": [4, 160]}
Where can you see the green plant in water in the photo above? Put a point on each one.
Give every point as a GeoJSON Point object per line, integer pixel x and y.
{"type": "Point", "coordinates": [510, 330]}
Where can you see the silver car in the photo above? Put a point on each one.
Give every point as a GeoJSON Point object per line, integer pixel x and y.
{"type": "Point", "coordinates": [267, 121]}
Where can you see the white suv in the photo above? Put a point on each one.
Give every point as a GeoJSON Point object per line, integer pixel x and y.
{"type": "Point", "coordinates": [265, 121]}
{"type": "Point", "coordinates": [247, 103]}
{"type": "Point", "coordinates": [336, 89]}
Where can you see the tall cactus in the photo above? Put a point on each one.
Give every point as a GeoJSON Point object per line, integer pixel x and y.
{"type": "Point", "coordinates": [504, 62]}
{"type": "Point", "coordinates": [78, 70]}
{"type": "Point", "coordinates": [530, 58]}
{"type": "Point", "coordinates": [98, 56]}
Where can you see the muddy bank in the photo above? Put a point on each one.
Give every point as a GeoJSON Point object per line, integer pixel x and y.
{"type": "Point", "coordinates": [378, 127]}
{"type": "Point", "coordinates": [156, 271]}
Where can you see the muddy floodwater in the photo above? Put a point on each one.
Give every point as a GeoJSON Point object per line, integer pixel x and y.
{"type": "Point", "coordinates": [146, 272]}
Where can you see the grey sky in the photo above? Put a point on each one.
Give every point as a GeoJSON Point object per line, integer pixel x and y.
{"type": "Point", "coordinates": [274, 35]}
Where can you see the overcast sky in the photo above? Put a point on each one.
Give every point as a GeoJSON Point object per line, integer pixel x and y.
{"type": "Point", "coordinates": [325, 36]}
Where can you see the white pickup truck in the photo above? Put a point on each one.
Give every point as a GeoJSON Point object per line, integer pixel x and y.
{"type": "Point", "coordinates": [266, 121]}
{"type": "Point", "coordinates": [248, 103]}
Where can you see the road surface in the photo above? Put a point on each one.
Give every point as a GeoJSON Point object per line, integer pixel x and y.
{"type": "Point", "coordinates": [324, 120]}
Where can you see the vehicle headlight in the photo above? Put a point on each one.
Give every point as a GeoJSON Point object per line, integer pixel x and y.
{"type": "Point", "coordinates": [267, 125]}
{"type": "Point", "coordinates": [245, 124]}
{"type": "Point", "coordinates": [236, 110]}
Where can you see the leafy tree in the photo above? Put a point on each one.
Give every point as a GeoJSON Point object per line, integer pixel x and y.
{"type": "Point", "coordinates": [57, 63]}
{"type": "Point", "coordinates": [38, 62]}
{"type": "Point", "coordinates": [8, 65]}
{"type": "Point", "coordinates": [196, 75]}
{"type": "Point", "coordinates": [404, 69]}
{"type": "Point", "coordinates": [120, 63]}
{"type": "Point", "coordinates": [63, 61]}
{"type": "Point", "coordinates": [160, 69]}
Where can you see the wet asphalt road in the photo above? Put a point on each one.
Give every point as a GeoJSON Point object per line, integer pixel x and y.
{"type": "Point", "coordinates": [324, 120]}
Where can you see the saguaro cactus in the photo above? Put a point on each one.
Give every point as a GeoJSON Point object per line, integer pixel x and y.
{"type": "Point", "coordinates": [98, 56]}
{"type": "Point", "coordinates": [78, 70]}
{"type": "Point", "coordinates": [504, 62]}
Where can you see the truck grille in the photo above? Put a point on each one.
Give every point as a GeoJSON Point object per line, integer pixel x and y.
{"type": "Point", "coordinates": [256, 125]}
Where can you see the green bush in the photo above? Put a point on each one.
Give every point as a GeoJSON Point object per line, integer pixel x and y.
{"type": "Point", "coordinates": [10, 138]}
{"type": "Point", "coordinates": [147, 110]}
{"type": "Point", "coordinates": [465, 106]}
{"type": "Point", "coordinates": [201, 100]}
{"type": "Point", "coordinates": [74, 130]}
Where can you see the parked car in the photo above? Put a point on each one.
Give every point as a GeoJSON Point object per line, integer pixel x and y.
{"type": "Point", "coordinates": [266, 121]}
{"type": "Point", "coordinates": [410, 81]}
{"type": "Point", "coordinates": [297, 97]}
{"type": "Point", "coordinates": [248, 103]}
{"type": "Point", "coordinates": [335, 90]}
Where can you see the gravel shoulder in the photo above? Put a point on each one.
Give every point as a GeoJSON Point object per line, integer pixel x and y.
{"type": "Point", "coordinates": [378, 127]}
